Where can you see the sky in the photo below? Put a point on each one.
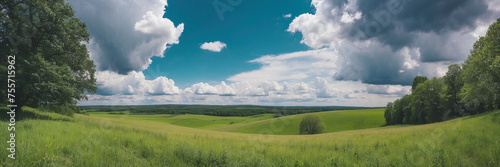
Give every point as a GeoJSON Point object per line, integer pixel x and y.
{"type": "Point", "coordinates": [286, 53]}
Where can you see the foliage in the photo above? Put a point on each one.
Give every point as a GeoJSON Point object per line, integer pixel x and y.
{"type": "Point", "coordinates": [481, 72]}
{"type": "Point", "coordinates": [471, 88]}
{"type": "Point", "coordinates": [396, 112]}
{"type": "Point", "coordinates": [312, 124]}
{"type": "Point", "coordinates": [454, 83]}
{"type": "Point", "coordinates": [418, 80]}
{"type": "Point", "coordinates": [427, 102]}
{"type": "Point", "coordinates": [60, 109]}
{"type": "Point", "coordinates": [389, 109]}
{"type": "Point", "coordinates": [51, 59]}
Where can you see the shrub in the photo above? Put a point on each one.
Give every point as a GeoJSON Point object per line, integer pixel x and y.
{"type": "Point", "coordinates": [312, 124]}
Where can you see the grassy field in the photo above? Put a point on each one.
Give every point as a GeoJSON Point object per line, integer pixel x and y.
{"type": "Point", "coordinates": [335, 121]}
{"type": "Point", "coordinates": [118, 141]}
{"type": "Point", "coordinates": [188, 120]}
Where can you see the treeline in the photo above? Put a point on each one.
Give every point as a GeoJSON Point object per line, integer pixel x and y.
{"type": "Point", "coordinates": [214, 110]}
{"type": "Point", "coordinates": [467, 89]}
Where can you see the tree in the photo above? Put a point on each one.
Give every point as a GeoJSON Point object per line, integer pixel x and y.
{"type": "Point", "coordinates": [406, 109]}
{"type": "Point", "coordinates": [312, 124]}
{"type": "Point", "coordinates": [427, 102]}
{"type": "Point", "coordinates": [481, 72]}
{"type": "Point", "coordinates": [418, 80]}
{"type": "Point", "coordinates": [388, 113]}
{"type": "Point", "coordinates": [400, 109]}
{"type": "Point", "coordinates": [48, 42]}
{"type": "Point", "coordinates": [454, 83]}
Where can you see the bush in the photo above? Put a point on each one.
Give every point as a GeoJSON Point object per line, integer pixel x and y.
{"type": "Point", "coordinates": [312, 124]}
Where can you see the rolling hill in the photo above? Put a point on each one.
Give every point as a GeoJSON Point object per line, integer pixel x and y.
{"type": "Point", "coordinates": [335, 121]}
{"type": "Point", "coordinates": [119, 141]}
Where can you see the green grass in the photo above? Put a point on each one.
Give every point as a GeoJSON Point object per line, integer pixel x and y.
{"type": "Point", "coordinates": [188, 120]}
{"type": "Point", "coordinates": [335, 121]}
{"type": "Point", "coordinates": [118, 141]}
{"type": "Point", "coordinates": [32, 113]}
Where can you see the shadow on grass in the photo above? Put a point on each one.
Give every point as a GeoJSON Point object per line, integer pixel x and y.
{"type": "Point", "coordinates": [32, 113]}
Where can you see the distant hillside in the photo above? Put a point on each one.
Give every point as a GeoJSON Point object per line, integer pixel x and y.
{"type": "Point", "coordinates": [335, 121]}
{"type": "Point", "coordinates": [217, 110]}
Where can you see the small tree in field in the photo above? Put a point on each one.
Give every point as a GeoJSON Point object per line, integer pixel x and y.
{"type": "Point", "coordinates": [312, 124]}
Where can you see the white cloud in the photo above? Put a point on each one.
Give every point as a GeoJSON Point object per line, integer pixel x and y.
{"type": "Point", "coordinates": [134, 83]}
{"type": "Point", "coordinates": [125, 34]}
{"type": "Point", "coordinates": [115, 89]}
{"type": "Point", "coordinates": [350, 18]}
{"type": "Point", "coordinates": [216, 46]}
{"type": "Point", "coordinates": [323, 89]}
{"type": "Point", "coordinates": [225, 90]}
{"type": "Point", "coordinates": [315, 30]}
{"type": "Point", "coordinates": [202, 89]}
{"type": "Point", "coordinates": [304, 65]}
{"type": "Point", "coordinates": [389, 89]}
{"type": "Point", "coordinates": [287, 15]}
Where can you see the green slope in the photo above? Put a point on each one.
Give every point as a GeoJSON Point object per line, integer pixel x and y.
{"type": "Point", "coordinates": [94, 141]}
{"type": "Point", "coordinates": [335, 121]}
{"type": "Point", "coordinates": [188, 120]}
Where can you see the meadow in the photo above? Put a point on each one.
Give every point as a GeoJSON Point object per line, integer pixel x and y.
{"type": "Point", "coordinates": [121, 140]}
{"type": "Point", "coordinates": [263, 123]}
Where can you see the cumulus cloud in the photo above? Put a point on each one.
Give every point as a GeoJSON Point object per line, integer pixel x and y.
{"type": "Point", "coordinates": [225, 90]}
{"type": "Point", "coordinates": [202, 89]}
{"type": "Point", "coordinates": [134, 83]}
{"type": "Point", "coordinates": [323, 89]}
{"type": "Point", "coordinates": [390, 41]}
{"type": "Point", "coordinates": [134, 89]}
{"type": "Point", "coordinates": [287, 15]}
{"type": "Point", "coordinates": [126, 34]}
{"type": "Point", "coordinates": [265, 91]}
{"type": "Point", "coordinates": [216, 46]}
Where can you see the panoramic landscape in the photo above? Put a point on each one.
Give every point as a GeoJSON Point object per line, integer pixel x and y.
{"type": "Point", "coordinates": [250, 83]}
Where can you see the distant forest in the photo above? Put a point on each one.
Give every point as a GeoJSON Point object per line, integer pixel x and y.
{"type": "Point", "coordinates": [215, 110]}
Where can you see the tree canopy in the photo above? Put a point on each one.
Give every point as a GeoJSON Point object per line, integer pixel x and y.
{"type": "Point", "coordinates": [48, 42]}
{"type": "Point", "coordinates": [481, 72]}
{"type": "Point", "coordinates": [312, 124]}
{"type": "Point", "coordinates": [418, 80]}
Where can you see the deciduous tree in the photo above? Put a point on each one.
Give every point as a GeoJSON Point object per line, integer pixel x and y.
{"type": "Point", "coordinates": [52, 61]}
{"type": "Point", "coordinates": [481, 72]}
{"type": "Point", "coordinates": [418, 80]}
{"type": "Point", "coordinates": [312, 124]}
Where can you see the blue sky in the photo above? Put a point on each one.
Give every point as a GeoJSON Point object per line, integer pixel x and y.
{"type": "Point", "coordinates": [247, 33]}
{"type": "Point", "coordinates": [300, 53]}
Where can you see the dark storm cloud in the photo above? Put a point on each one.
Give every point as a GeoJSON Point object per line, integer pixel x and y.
{"type": "Point", "coordinates": [373, 64]}
{"type": "Point", "coordinates": [391, 41]}
{"type": "Point", "coordinates": [398, 23]}
{"type": "Point", "coordinates": [427, 15]}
